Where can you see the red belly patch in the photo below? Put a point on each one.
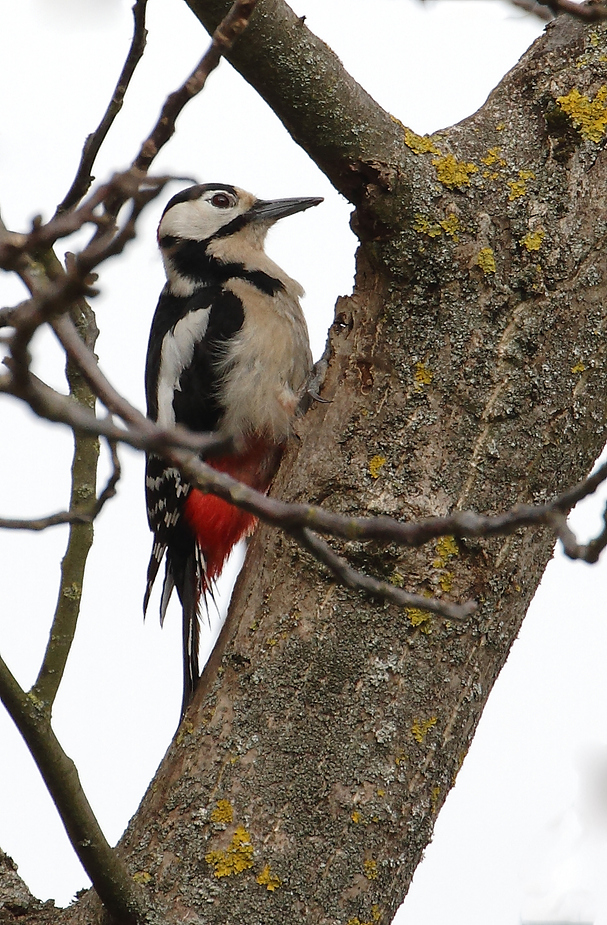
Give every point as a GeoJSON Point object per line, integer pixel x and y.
{"type": "Point", "coordinates": [217, 525]}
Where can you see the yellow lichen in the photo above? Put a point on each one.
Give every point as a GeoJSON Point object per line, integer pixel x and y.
{"type": "Point", "coordinates": [518, 188]}
{"type": "Point", "coordinates": [578, 368]}
{"type": "Point", "coordinates": [223, 812]}
{"type": "Point", "coordinates": [533, 239]}
{"type": "Point", "coordinates": [268, 879]}
{"type": "Point", "coordinates": [356, 817]}
{"type": "Point", "coordinates": [423, 225]}
{"type": "Point", "coordinates": [396, 579]}
{"type": "Point", "coordinates": [142, 876]}
{"type": "Point", "coordinates": [419, 144]}
{"type": "Point", "coordinates": [453, 173]}
{"type": "Point", "coordinates": [500, 126]}
{"type": "Point", "coordinates": [400, 759]}
{"type": "Point", "coordinates": [237, 857]}
{"type": "Point", "coordinates": [434, 795]}
{"type": "Point", "coordinates": [451, 226]}
{"type": "Point", "coordinates": [419, 729]}
{"type": "Point", "coordinates": [446, 581]}
{"type": "Point", "coordinates": [375, 917]}
{"type": "Point", "coordinates": [186, 729]}
{"type": "Point", "coordinates": [588, 116]}
{"type": "Point", "coordinates": [422, 375]}
{"type": "Point", "coordinates": [446, 548]}
{"type": "Point", "coordinates": [72, 592]}
{"type": "Point", "coordinates": [420, 618]}
{"type": "Point", "coordinates": [485, 259]}
{"type": "Point", "coordinates": [376, 465]}
{"type": "Point", "coordinates": [370, 869]}
{"type": "Point", "coordinates": [491, 157]}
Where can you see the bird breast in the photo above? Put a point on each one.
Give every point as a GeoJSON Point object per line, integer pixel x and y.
{"type": "Point", "coordinates": [267, 363]}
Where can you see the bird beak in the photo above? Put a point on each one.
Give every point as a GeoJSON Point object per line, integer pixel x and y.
{"type": "Point", "coordinates": [271, 210]}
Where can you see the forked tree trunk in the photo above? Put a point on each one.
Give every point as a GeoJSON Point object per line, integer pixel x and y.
{"type": "Point", "coordinates": [467, 371]}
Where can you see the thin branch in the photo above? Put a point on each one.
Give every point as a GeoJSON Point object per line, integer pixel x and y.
{"type": "Point", "coordinates": [55, 290]}
{"type": "Point", "coordinates": [129, 184]}
{"type": "Point", "coordinates": [37, 524]}
{"type": "Point", "coordinates": [52, 406]}
{"type": "Point", "coordinates": [590, 11]}
{"type": "Point", "coordinates": [83, 178]}
{"type": "Point", "coordinates": [535, 8]}
{"type": "Point", "coordinates": [352, 578]}
{"type": "Point", "coordinates": [74, 515]}
{"type": "Point", "coordinates": [588, 552]}
{"type": "Point", "coordinates": [222, 41]}
{"type": "Point", "coordinates": [7, 314]}
{"type": "Point", "coordinates": [108, 874]}
{"type": "Point", "coordinates": [80, 540]}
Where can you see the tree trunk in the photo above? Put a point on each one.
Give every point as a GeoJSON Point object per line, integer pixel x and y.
{"type": "Point", "coordinates": [466, 371]}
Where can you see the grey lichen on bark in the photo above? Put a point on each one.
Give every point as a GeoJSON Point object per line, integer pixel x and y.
{"type": "Point", "coordinates": [467, 370]}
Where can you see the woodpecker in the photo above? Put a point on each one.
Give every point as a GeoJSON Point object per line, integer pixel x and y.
{"type": "Point", "coordinates": [228, 352]}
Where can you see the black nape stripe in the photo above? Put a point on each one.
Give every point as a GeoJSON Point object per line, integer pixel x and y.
{"type": "Point", "coordinates": [191, 260]}
{"type": "Point", "coordinates": [263, 281]}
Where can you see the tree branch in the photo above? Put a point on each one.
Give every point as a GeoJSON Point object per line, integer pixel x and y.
{"type": "Point", "coordinates": [590, 11]}
{"type": "Point", "coordinates": [83, 178]}
{"type": "Point", "coordinates": [358, 581]}
{"type": "Point", "coordinates": [324, 109]}
{"type": "Point", "coordinates": [84, 480]}
{"type": "Point", "coordinates": [224, 36]}
{"type": "Point", "coordinates": [533, 7]}
{"type": "Point", "coordinates": [74, 515]}
{"type": "Point", "coordinates": [108, 874]}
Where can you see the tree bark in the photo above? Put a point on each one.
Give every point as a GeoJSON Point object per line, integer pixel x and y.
{"type": "Point", "coordinates": [466, 371]}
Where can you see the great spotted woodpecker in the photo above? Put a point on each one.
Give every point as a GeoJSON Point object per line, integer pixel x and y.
{"type": "Point", "coordinates": [228, 352]}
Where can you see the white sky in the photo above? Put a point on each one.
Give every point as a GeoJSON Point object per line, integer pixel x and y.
{"type": "Point", "coordinates": [523, 834]}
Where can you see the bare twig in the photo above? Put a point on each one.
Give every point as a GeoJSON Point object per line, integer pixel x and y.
{"type": "Point", "coordinates": [52, 406]}
{"type": "Point", "coordinates": [108, 874]}
{"type": "Point", "coordinates": [533, 7]}
{"type": "Point", "coordinates": [587, 552]}
{"type": "Point", "coordinates": [352, 578]}
{"type": "Point", "coordinates": [74, 515]}
{"type": "Point", "coordinates": [222, 41]}
{"type": "Point", "coordinates": [83, 178]}
{"type": "Point", "coordinates": [590, 11]}
{"type": "Point", "coordinates": [80, 539]}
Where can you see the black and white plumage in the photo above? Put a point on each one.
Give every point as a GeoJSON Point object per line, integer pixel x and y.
{"type": "Point", "coordinates": [228, 352]}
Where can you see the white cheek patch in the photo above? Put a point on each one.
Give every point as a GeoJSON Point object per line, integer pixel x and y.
{"type": "Point", "coordinates": [176, 354]}
{"type": "Point", "coordinates": [197, 219]}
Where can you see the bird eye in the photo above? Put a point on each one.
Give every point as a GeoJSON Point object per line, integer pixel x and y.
{"type": "Point", "coordinates": [221, 201]}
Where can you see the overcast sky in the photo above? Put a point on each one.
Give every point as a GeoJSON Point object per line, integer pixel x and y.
{"type": "Point", "coordinates": [523, 835]}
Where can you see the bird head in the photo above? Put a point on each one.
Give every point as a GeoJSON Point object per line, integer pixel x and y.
{"type": "Point", "coordinates": [214, 223]}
